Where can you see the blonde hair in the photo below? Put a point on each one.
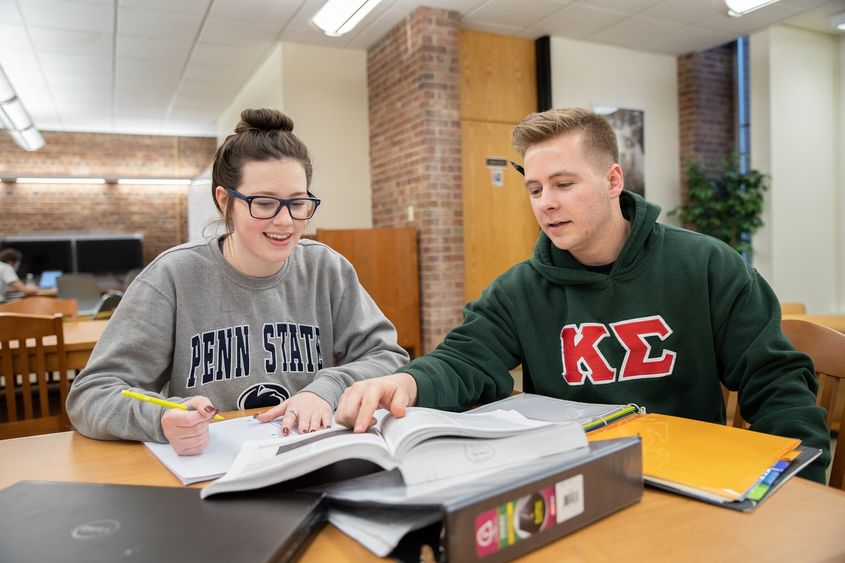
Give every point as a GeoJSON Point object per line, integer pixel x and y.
{"type": "Point", "coordinates": [598, 137]}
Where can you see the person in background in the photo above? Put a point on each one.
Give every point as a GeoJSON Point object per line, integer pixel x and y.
{"type": "Point", "coordinates": [613, 307]}
{"type": "Point", "coordinates": [10, 261]}
{"type": "Point", "coordinates": [255, 318]}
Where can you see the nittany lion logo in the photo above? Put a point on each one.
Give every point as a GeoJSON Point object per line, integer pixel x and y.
{"type": "Point", "coordinates": [262, 395]}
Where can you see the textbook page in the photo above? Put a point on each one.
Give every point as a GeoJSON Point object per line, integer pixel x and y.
{"type": "Point", "coordinates": [464, 443]}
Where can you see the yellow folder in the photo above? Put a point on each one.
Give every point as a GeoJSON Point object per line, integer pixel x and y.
{"type": "Point", "coordinates": [712, 458]}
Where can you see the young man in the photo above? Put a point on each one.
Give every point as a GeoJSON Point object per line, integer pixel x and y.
{"type": "Point", "coordinates": [10, 260]}
{"type": "Point", "coordinates": [613, 307]}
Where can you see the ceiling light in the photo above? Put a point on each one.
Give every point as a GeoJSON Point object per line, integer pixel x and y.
{"type": "Point", "coordinates": [61, 180]}
{"type": "Point", "coordinates": [737, 8]}
{"type": "Point", "coordinates": [154, 181]}
{"type": "Point", "coordinates": [838, 21]}
{"type": "Point", "coordinates": [336, 17]}
{"type": "Point", "coordinates": [16, 119]}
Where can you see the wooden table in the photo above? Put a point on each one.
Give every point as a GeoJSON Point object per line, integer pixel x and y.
{"type": "Point", "coordinates": [803, 521]}
{"type": "Point", "coordinates": [80, 338]}
{"type": "Point", "coordinates": [836, 322]}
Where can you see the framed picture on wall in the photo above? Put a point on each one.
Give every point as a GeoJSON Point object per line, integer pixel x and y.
{"type": "Point", "coordinates": [628, 124]}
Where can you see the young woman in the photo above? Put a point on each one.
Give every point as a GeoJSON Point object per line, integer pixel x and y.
{"type": "Point", "coordinates": [255, 318]}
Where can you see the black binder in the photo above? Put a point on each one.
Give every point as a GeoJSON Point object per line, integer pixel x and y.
{"type": "Point", "coordinates": [513, 511]}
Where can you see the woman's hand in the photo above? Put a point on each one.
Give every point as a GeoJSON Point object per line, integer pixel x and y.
{"type": "Point", "coordinates": [306, 411]}
{"type": "Point", "coordinates": [187, 431]}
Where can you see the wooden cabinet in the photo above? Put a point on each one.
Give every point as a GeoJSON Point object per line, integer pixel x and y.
{"type": "Point", "coordinates": [386, 260]}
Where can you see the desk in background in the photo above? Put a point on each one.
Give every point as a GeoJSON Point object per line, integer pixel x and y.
{"type": "Point", "coordinates": [801, 522]}
{"type": "Point", "coordinates": [80, 338]}
{"type": "Point", "coordinates": [836, 322]}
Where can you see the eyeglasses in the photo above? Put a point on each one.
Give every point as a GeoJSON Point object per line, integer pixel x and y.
{"type": "Point", "coordinates": [267, 207]}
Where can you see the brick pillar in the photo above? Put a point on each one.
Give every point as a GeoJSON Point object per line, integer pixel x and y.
{"type": "Point", "coordinates": [706, 105]}
{"type": "Point", "coordinates": [415, 155]}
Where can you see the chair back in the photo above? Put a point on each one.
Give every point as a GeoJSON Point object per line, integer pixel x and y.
{"type": "Point", "coordinates": [83, 288]}
{"type": "Point", "coordinates": [32, 402]}
{"type": "Point", "coordinates": [43, 306]}
{"type": "Point", "coordinates": [793, 309]}
{"type": "Point", "coordinates": [826, 347]}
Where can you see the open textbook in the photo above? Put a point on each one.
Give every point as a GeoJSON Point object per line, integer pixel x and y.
{"type": "Point", "coordinates": [425, 445]}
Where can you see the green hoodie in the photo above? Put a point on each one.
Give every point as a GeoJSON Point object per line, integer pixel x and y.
{"type": "Point", "coordinates": [678, 314]}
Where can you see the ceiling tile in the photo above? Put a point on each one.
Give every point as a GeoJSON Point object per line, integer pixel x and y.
{"type": "Point", "coordinates": [190, 7]}
{"type": "Point", "coordinates": [513, 14]}
{"type": "Point", "coordinates": [73, 16]}
{"type": "Point", "coordinates": [268, 12]}
{"type": "Point", "coordinates": [13, 37]}
{"type": "Point", "coordinates": [12, 58]}
{"type": "Point", "coordinates": [78, 42]}
{"type": "Point", "coordinates": [628, 6]}
{"type": "Point", "coordinates": [9, 13]}
{"type": "Point", "coordinates": [758, 19]}
{"type": "Point", "coordinates": [577, 21]}
{"type": "Point", "coordinates": [238, 34]}
{"type": "Point", "coordinates": [158, 25]}
{"type": "Point", "coordinates": [633, 32]}
{"type": "Point", "coordinates": [77, 64]}
{"type": "Point", "coordinates": [217, 74]}
{"type": "Point", "coordinates": [69, 80]}
{"type": "Point", "coordinates": [682, 11]}
{"type": "Point", "coordinates": [142, 48]}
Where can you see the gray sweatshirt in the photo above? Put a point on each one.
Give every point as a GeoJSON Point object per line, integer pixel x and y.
{"type": "Point", "coordinates": [191, 324]}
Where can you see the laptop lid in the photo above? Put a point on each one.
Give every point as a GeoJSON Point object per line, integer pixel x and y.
{"type": "Point", "coordinates": [48, 279]}
{"type": "Point", "coordinates": [89, 522]}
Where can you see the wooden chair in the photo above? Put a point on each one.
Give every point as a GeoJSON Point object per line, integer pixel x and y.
{"type": "Point", "coordinates": [826, 347]}
{"type": "Point", "coordinates": [33, 403]}
{"type": "Point", "coordinates": [43, 306]}
{"type": "Point", "coordinates": [793, 309]}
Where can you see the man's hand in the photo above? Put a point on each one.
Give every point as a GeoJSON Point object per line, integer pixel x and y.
{"type": "Point", "coordinates": [187, 431]}
{"type": "Point", "coordinates": [363, 398]}
{"type": "Point", "coordinates": [308, 411]}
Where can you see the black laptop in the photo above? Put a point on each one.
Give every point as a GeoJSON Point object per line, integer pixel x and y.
{"type": "Point", "coordinates": [86, 522]}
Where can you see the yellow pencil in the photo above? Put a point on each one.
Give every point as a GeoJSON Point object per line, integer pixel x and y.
{"type": "Point", "coordinates": [162, 402]}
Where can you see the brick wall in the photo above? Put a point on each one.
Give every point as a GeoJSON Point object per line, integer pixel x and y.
{"type": "Point", "coordinates": [706, 106]}
{"type": "Point", "coordinates": [415, 154]}
{"type": "Point", "coordinates": [159, 212]}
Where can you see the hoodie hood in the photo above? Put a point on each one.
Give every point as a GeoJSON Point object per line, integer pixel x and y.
{"type": "Point", "coordinates": [559, 266]}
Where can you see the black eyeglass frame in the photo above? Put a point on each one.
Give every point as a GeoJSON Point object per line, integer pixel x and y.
{"type": "Point", "coordinates": [281, 203]}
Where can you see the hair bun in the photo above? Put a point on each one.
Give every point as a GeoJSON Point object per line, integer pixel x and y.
{"type": "Point", "coordinates": [264, 120]}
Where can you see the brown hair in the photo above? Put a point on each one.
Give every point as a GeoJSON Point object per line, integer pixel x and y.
{"type": "Point", "coordinates": [262, 134]}
{"type": "Point", "coordinates": [598, 138]}
{"type": "Point", "coordinates": [10, 255]}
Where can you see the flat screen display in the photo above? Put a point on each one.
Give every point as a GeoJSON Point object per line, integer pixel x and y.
{"type": "Point", "coordinates": [108, 256]}
{"type": "Point", "coordinates": [40, 255]}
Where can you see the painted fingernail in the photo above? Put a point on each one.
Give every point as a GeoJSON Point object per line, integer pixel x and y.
{"type": "Point", "coordinates": [284, 431]}
{"type": "Point", "coordinates": [210, 409]}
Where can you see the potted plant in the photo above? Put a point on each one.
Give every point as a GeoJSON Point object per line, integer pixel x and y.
{"type": "Point", "coordinates": [727, 207]}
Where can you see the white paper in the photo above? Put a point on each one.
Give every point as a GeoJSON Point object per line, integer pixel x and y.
{"type": "Point", "coordinates": [225, 440]}
{"type": "Point", "coordinates": [379, 529]}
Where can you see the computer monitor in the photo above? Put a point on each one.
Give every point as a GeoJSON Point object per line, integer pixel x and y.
{"type": "Point", "coordinates": [102, 256]}
{"type": "Point", "coordinates": [41, 255]}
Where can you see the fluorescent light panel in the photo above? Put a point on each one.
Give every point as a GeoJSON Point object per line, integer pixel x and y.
{"type": "Point", "coordinates": [337, 17]}
{"type": "Point", "coordinates": [838, 21]}
{"type": "Point", "coordinates": [61, 180]}
{"type": "Point", "coordinates": [16, 119]}
{"type": "Point", "coordinates": [154, 181]}
{"type": "Point", "coordinates": [737, 8]}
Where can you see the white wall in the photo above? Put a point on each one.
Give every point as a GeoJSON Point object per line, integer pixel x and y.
{"type": "Point", "coordinates": [588, 74]}
{"type": "Point", "coordinates": [262, 90]}
{"type": "Point", "coordinates": [796, 136]}
{"type": "Point", "coordinates": [325, 91]}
